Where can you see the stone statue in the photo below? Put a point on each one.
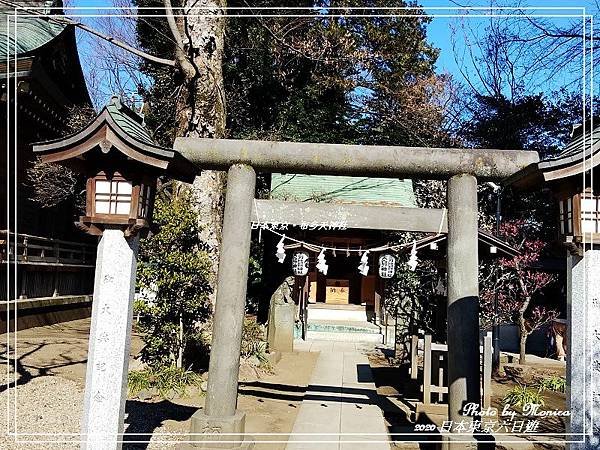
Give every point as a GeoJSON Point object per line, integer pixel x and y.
{"type": "Point", "coordinates": [282, 315]}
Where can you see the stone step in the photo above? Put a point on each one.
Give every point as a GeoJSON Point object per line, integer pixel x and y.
{"type": "Point", "coordinates": [345, 337]}
{"type": "Point", "coordinates": [343, 326]}
{"type": "Point", "coordinates": [352, 313]}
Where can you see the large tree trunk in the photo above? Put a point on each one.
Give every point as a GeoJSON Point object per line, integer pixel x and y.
{"type": "Point", "coordinates": [202, 113]}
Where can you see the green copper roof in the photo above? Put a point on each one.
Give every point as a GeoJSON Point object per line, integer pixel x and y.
{"type": "Point", "coordinates": [325, 188]}
{"type": "Point", "coordinates": [129, 121]}
{"type": "Point", "coordinates": [24, 34]}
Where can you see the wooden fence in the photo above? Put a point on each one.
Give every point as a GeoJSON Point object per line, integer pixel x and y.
{"type": "Point", "coordinates": [435, 379]}
{"type": "Point", "coordinates": [46, 267]}
{"type": "Point", "coordinates": [386, 321]}
{"type": "Point", "coordinates": [42, 250]}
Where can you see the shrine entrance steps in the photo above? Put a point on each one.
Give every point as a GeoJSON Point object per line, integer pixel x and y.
{"type": "Point", "coordinates": [340, 407]}
{"type": "Point", "coordinates": [342, 323]}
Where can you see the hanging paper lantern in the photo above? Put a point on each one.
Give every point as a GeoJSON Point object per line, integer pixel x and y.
{"type": "Point", "coordinates": [321, 263]}
{"type": "Point", "coordinates": [387, 266]}
{"type": "Point", "coordinates": [280, 250]}
{"type": "Point", "coordinates": [363, 267]}
{"type": "Point", "coordinates": [413, 260]}
{"type": "Point", "coordinates": [300, 263]}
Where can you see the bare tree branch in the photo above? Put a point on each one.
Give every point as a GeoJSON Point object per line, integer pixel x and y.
{"type": "Point", "coordinates": [81, 26]}
{"type": "Point", "coordinates": [182, 59]}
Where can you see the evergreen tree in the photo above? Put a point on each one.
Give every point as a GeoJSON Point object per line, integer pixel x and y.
{"type": "Point", "coordinates": [315, 79]}
{"type": "Point", "coordinates": [173, 274]}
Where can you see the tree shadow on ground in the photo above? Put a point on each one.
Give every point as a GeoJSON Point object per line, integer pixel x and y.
{"type": "Point", "coordinates": [144, 417]}
{"type": "Point", "coordinates": [401, 429]}
{"type": "Point", "coordinates": [27, 372]}
{"type": "Point", "coordinates": [404, 424]}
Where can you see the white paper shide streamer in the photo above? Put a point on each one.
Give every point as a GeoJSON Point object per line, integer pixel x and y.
{"type": "Point", "coordinates": [321, 263]}
{"type": "Point", "coordinates": [413, 261]}
{"type": "Point", "coordinates": [363, 267]}
{"type": "Point", "coordinates": [281, 250]}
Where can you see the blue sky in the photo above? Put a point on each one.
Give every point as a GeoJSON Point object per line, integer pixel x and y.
{"type": "Point", "coordinates": [443, 32]}
{"type": "Point", "coordinates": [450, 34]}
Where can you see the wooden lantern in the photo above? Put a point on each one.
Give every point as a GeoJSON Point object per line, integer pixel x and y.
{"type": "Point", "coordinates": [573, 178]}
{"type": "Point", "coordinates": [121, 164]}
{"type": "Point", "coordinates": [579, 216]}
{"type": "Point", "coordinates": [115, 199]}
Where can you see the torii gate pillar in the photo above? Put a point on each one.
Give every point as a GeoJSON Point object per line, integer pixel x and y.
{"type": "Point", "coordinates": [220, 424]}
{"type": "Point", "coordinates": [463, 298]}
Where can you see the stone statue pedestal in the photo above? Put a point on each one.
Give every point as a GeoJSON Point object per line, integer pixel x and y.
{"type": "Point", "coordinates": [212, 432]}
{"type": "Point", "coordinates": [280, 331]}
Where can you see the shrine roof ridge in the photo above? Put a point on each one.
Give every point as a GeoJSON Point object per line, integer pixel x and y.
{"type": "Point", "coordinates": [581, 154]}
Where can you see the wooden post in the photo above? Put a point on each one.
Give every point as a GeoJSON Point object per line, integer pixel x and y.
{"type": "Point", "coordinates": [487, 369]}
{"type": "Point", "coordinates": [23, 293]}
{"type": "Point", "coordinates": [427, 365]}
{"type": "Point", "coordinates": [414, 349]}
{"type": "Point", "coordinates": [55, 282]}
{"type": "Point", "coordinates": [440, 361]}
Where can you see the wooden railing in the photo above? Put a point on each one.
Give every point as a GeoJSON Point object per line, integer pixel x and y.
{"type": "Point", "coordinates": [435, 363]}
{"type": "Point", "coordinates": [28, 249]}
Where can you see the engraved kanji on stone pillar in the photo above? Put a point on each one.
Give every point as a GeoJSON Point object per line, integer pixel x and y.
{"type": "Point", "coordinates": [108, 354]}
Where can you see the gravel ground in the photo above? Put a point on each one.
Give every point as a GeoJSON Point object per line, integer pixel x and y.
{"type": "Point", "coordinates": [43, 405]}
{"type": "Point", "coordinates": [50, 384]}
{"type": "Point", "coordinates": [52, 405]}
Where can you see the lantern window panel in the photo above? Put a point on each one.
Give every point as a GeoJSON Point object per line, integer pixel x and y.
{"type": "Point", "coordinates": [589, 226]}
{"type": "Point", "coordinates": [113, 197]}
{"type": "Point", "coordinates": [566, 216]}
{"type": "Point", "coordinates": [144, 201]}
{"type": "Point", "coordinates": [589, 204]}
{"type": "Point", "coordinates": [590, 213]}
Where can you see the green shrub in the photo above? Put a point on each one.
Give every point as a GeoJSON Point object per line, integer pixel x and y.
{"type": "Point", "coordinates": [139, 306]}
{"type": "Point", "coordinates": [174, 273]}
{"type": "Point", "coordinates": [521, 395]}
{"type": "Point", "coordinates": [254, 343]}
{"type": "Point", "coordinates": [168, 381]}
{"type": "Point", "coordinates": [554, 383]}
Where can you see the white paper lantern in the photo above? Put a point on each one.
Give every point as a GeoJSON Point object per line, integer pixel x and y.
{"type": "Point", "coordinates": [387, 266]}
{"type": "Point", "coordinates": [300, 263]}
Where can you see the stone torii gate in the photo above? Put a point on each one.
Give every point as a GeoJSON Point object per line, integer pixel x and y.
{"type": "Point", "coordinates": [220, 423]}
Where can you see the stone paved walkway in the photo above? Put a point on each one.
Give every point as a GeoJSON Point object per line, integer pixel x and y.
{"type": "Point", "coordinates": [341, 398]}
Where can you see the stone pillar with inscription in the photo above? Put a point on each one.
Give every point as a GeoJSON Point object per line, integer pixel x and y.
{"type": "Point", "coordinates": [108, 353]}
{"type": "Point", "coordinates": [583, 360]}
